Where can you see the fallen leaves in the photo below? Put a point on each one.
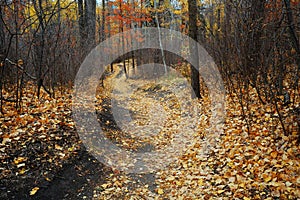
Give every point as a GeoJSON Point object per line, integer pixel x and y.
{"type": "Point", "coordinates": [34, 191]}
{"type": "Point", "coordinates": [160, 191]}
{"type": "Point", "coordinates": [274, 154]}
{"type": "Point", "coordinates": [261, 164]}
{"type": "Point", "coordinates": [41, 135]}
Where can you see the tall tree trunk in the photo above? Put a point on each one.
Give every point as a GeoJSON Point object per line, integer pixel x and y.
{"type": "Point", "coordinates": [159, 56]}
{"type": "Point", "coordinates": [121, 29]}
{"type": "Point", "coordinates": [39, 47]}
{"type": "Point", "coordinates": [90, 17]}
{"type": "Point", "coordinates": [2, 36]}
{"type": "Point", "coordinates": [292, 30]}
{"type": "Point", "coordinates": [2, 57]}
{"type": "Point", "coordinates": [81, 23]}
{"type": "Point", "coordinates": [103, 22]}
{"type": "Point", "coordinates": [192, 6]}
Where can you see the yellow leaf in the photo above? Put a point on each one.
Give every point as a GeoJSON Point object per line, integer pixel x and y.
{"type": "Point", "coordinates": [275, 184]}
{"type": "Point", "coordinates": [242, 185]}
{"type": "Point", "coordinates": [160, 191]}
{"type": "Point", "coordinates": [22, 171]}
{"type": "Point", "coordinates": [230, 164]}
{"type": "Point", "coordinates": [34, 190]}
{"type": "Point", "coordinates": [6, 140]}
{"type": "Point", "coordinates": [177, 12]}
{"type": "Point", "coordinates": [273, 154]}
{"type": "Point", "coordinates": [117, 184]}
{"type": "Point", "coordinates": [267, 179]}
{"type": "Point", "coordinates": [200, 182]}
{"type": "Point", "coordinates": [218, 181]}
{"type": "Point", "coordinates": [246, 198]}
{"type": "Point", "coordinates": [20, 62]}
{"type": "Point", "coordinates": [71, 149]}
{"type": "Point", "coordinates": [171, 178]}
{"type": "Point", "coordinates": [104, 186]}
{"type": "Point", "coordinates": [220, 191]}
{"type": "Point", "coordinates": [19, 160]}
{"type": "Point", "coordinates": [178, 183]}
{"type": "Point", "coordinates": [57, 147]}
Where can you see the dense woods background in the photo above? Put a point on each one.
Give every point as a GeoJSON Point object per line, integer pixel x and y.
{"type": "Point", "coordinates": [255, 44]}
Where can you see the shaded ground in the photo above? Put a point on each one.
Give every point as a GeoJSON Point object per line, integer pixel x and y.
{"type": "Point", "coordinates": [55, 161]}
{"type": "Point", "coordinates": [75, 180]}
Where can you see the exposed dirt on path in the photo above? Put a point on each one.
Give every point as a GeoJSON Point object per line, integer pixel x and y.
{"type": "Point", "coordinates": [74, 180]}
{"type": "Point", "coordinates": [55, 162]}
{"type": "Point", "coordinates": [76, 176]}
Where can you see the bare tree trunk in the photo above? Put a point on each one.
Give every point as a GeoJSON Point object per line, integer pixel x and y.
{"type": "Point", "coordinates": [192, 6]}
{"type": "Point", "coordinates": [103, 22]}
{"type": "Point", "coordinates": [81, 23]}
{"type": "Point", "coordinates": [2, 56]}
{"type": "Point", "coordinates": [292, 30]}
{"type": "Point", "coordinates": [40, 47]}
{"type": "Point", "coordinates": [90, 13]}
{"type": "Point", "coordinates": [121, 29]}
{"type": "Point", "coordinates": [159, 54]}
{"type": "Point", "coordinates": [2, 36]}
{"type": "Point", "coordinates": [16, 10]}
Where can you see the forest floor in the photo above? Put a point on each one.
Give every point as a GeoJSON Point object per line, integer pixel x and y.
{"type": "Point", "coordinates": [41, 153]}
{"type": "Point", "coordinates": [42, 156]}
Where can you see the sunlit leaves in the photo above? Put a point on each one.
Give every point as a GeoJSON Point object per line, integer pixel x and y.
{"type": "Point", "coordinates": [261, 164]}
{"type": "Point", "coordinates": [126, 13]}
{"type": "Point", "coordinates": [34, 190]}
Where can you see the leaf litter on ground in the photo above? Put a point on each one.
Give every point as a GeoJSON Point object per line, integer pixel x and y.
{"type": "Point", "coordinates": [260, 164]}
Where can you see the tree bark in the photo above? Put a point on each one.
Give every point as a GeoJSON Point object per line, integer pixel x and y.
{"type": "Point", "coordinates": [292, 30]}
{"type": "Point", "coordinates": [87, 23]}
{"type": "Point", "coordinates": [90, 11]}
{"type": "Point", "coordinates": [192, 6]}
{"type": "Point", "coordinates": [2, 36]}
{"type": "Point", "coordinates": [103, 22]}
{"type": "Point", "coordinates": [81, 23]}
